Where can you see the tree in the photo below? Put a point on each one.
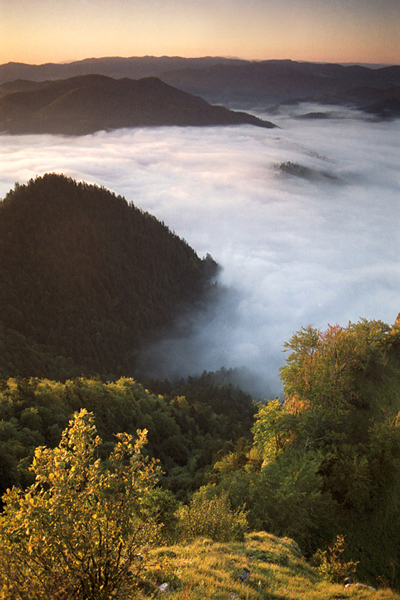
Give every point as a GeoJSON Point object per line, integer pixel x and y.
{"type": "Point", "coordinates": [80, 531]}
{"type": "Point", "coordinates": [324, 368]}
{"type": "Point", "coordinates": [326, 461]}
{"type": "Point", "coordinates": [339, 429]}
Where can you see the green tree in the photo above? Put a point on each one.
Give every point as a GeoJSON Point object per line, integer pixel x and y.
{"type": "Point", "coordinates": [342, 393]}
{"type": "Point", "coordinates": [326, 461]}
{"type": "Point", "coordinates": [80, 531]}
{"type": "Point", "coordinates": [324, 369]}
{"type": "Point", "coordinates": [339, 431]}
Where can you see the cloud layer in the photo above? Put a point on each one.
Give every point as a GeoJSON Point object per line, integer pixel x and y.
{"type": "Point", "coordinates": [313, 243]}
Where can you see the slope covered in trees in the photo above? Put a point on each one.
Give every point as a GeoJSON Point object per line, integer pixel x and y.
{"type": "Point", "coordinates": [95, 529]}
{"type": "Point", "coordinates": [188, 429]}
{"type": "Point", "coordinates": [86, 279]}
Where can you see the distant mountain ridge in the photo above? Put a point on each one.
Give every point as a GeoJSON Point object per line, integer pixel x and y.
{"type": "Point", "coordinates": [232, 82]}
{"type": "Point", "coordinates": [272, 82]}
{"type": "Point", "coordinates": [114, 66]}
{"type": "Point", "coordinates": [88, 103]}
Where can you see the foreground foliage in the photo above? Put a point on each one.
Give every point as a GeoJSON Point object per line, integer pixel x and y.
{"type": "Point", "coordinates": [330, 562]}
{"type": "Point", "coordinates": [323, 469]}
{"type": "Point", "coordinates": [82, 529]}
{"type": "Point", "coordinates": [326, 461]}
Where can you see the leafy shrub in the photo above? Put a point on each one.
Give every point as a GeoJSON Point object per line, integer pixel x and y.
{"type": "Point", "coordinates": [211, 517]}
{"type": "Point", "coordinates": [330, 562]}
{"type": "Point", "coordinates": [81, 530]}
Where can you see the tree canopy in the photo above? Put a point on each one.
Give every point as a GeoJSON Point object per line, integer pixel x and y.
{"type": "Point", "coordinates": [188, 425]}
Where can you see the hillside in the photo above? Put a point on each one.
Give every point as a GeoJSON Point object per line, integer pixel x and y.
{"type": "Point", "coordinates": [88, 103]}
{"type": "Point", "coordinates": [86, 279]}
{"type": "Point", "coordinates": [263, 566]}
{"type": "Point", "coordinates": [329, 455]}
{"type": "Point", "coordinates": [323, 469]}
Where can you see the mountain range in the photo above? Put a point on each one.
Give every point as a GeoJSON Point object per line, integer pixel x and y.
{"type": "Point", "coordinates": [239, 83]}
{"type": "Point", "coordinates": [87, 103]}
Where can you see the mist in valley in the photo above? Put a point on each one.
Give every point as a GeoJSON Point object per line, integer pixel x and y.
{"type": "Point", "coordinates": [303, 221]}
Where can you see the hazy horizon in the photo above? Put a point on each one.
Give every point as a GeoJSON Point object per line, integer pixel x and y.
{"type": "Point", "coordinates": [200, 56]}
{"type": "Point", "coordinates": [42, 31]}
{"type": "Point", "coordinates": [315, 247]}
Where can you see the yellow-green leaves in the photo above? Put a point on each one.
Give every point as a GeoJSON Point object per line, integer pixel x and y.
{"type": "Point", "coordinates": [78, 529]}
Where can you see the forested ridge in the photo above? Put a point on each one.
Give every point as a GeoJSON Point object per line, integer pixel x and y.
{"type": "Point", "coordinates": [86, 278]}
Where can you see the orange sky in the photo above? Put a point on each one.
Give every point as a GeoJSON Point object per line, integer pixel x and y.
{"type": "Point", "coordinates": [38, 31]}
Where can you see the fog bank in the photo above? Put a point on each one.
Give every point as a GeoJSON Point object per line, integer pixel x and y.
{"type": "Point", "coordinates": [303, 220]}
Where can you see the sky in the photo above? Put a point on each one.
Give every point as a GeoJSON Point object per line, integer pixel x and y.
{"type": "Point", "coordinates": [318, 249]}
{"type": "Point", "coordinates": [40, 31]}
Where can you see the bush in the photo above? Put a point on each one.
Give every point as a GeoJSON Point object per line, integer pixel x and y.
{"type": "Point", "coordinates": [81, 530]}
{"type": "Point", "coordinates": [330, 562]}
{"type": "Point", "coordinates": [211, 517]}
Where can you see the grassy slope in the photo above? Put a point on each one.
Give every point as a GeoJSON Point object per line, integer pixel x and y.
{"type": "Point", "coordinates": [210, 570]}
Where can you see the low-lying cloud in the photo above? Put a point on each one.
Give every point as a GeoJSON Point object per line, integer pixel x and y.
{"type": "Point", "coordinates": [294, 249]}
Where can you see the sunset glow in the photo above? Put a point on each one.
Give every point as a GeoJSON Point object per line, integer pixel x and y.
{"type": "Point", "coordinates": [38, 31]}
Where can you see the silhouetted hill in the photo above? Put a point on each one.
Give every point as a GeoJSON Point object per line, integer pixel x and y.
{"type": "Point", "coordinates": [369, 99]}
{"type": "Point", "coordinates": [269, 82]}
{"type": "Point", "coordinates": [86, 279]}
{"type": "Point", "coordinates": [232, 82]}
{"type": "Point", "coordinates": [88, 103]}
{"type": "Point", "coordinates": [385, 109]}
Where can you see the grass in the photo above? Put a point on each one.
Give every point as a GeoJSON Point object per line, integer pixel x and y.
{"type": "Point", "coordinates": [203, 569]}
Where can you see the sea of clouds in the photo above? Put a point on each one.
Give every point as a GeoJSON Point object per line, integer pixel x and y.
{"type": "Point", "coordinates": [315, 243]}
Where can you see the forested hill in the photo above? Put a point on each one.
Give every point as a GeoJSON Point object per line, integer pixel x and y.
{"type": "Point", "coordinates": [86, 279]}
{"type": "Point", "coordinates": [89, 103]}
